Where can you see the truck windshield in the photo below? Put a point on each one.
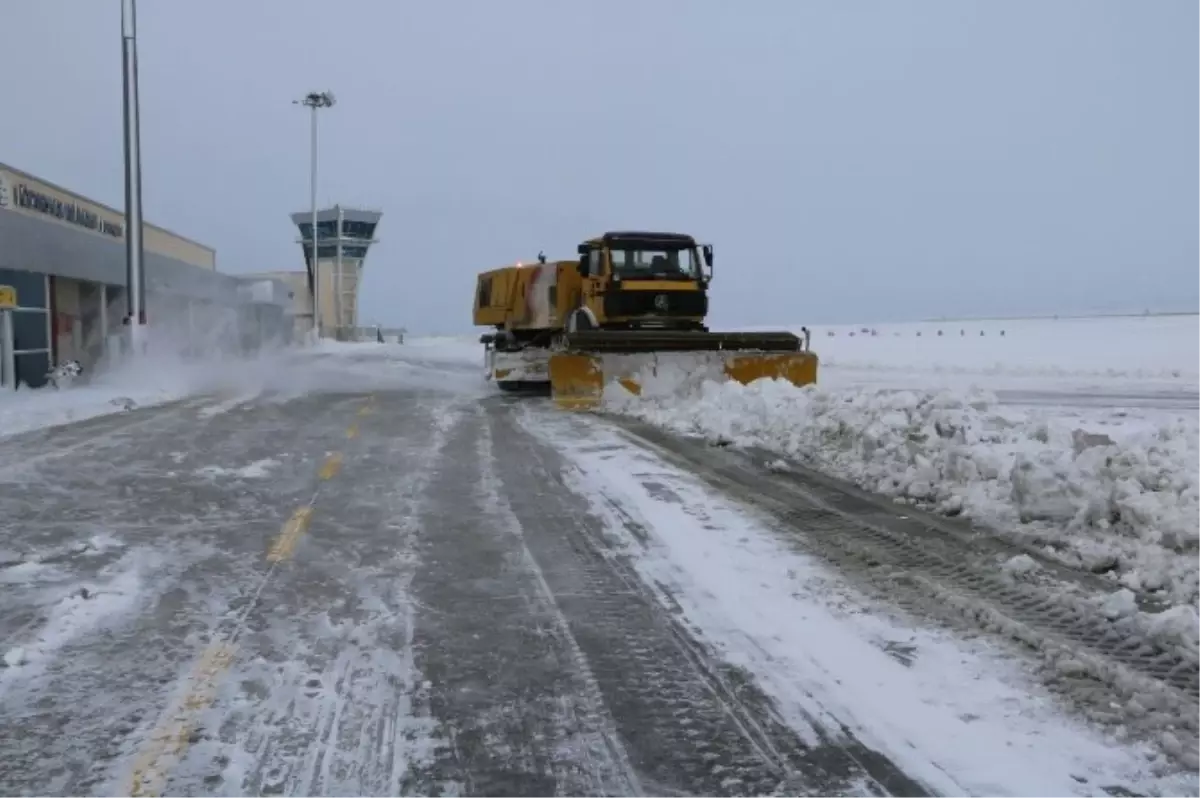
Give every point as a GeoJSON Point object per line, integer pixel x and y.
{"type": "Point", "coordinates": [655, 263]}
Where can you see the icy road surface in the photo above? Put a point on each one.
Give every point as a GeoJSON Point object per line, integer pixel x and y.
{"type": "Point", "coordinates": [418, 588]}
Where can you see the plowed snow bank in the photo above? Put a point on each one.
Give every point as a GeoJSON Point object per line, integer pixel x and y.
{"type": "Point", "coordinates": [1114, 498]}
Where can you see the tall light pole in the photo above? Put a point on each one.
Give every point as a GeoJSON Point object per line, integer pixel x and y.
{"type": "Point", "coordinates": [315, 100]}
{"type": "Point", "coordinates": [135, 274]}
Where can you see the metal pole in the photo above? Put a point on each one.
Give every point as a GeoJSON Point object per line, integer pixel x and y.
{"type": "Point", "coordinates": [341, 295]}
{"type": "Point", "coordinates": [143, 320]}
{"type": "Point", "coordinates": [316, 291]}
{"type": "Point", "coordinates": [134, 268]}
{"type": "Point", "coordinates": [103, 320]}
{"type": "Point", "coordinates": [8, 361]}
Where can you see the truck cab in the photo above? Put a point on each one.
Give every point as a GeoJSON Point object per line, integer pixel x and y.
{"type": "Point", "coordinates": [643, 280]}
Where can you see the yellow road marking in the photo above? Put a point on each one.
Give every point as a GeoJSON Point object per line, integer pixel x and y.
{"type": "Point", "coordinates": [365, 410]}
{"type": "Point", "coordinates": [332, 464]}
{"type": "Point", "coordinates": [353, 431]}
{"type": "Point", "coordinates": [289, 536]}
{"type": "Point", "coordinates": [172, 736]}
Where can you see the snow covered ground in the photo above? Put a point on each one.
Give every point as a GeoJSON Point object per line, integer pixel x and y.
{"type": "Point", "coordinates": [442, 601]}
{"type": "Point", "coordinates": [161, 378]}
{"type": "Point", "coordinates": [445, 349]}
{"type": "Point", "coordinates": [1030, 433]}
{"type": "Point", "coordinates": [1079, 436]}
{"type": "Point", "coordinates": [120, 386]}
{"type": "Point", "coordinates": [960, 716]}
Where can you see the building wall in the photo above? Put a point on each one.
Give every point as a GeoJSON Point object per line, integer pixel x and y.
{"type": "Point", "coordinates": [26, 195]}
{"type": "Point", "coordinates": [65, 256]}
{"type": "Point", "coordinates": [66, 317]}
{"type": "Point", "coordinates": [297, 282]}
{"type": "Point", "coordinates": [330, 286]}
{"type": "Point", "coordinates": [50, 247]}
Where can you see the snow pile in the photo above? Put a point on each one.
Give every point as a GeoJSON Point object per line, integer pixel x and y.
{"type": "Point", "coordinates": [1122, 503]}
{"type": "Point", "coordinates": [958, 715]}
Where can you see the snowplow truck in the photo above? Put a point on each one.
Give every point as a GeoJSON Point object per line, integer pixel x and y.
{"type": "Point", "coordinates": [631, 305]}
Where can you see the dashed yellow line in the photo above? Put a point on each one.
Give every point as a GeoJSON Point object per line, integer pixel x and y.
{"type": "Point", "coordinates": [169, 740]}
{"type": "Point", "coordinates": [290, 535]}
{"type": "Point", "coordinates": [332, 465]}
{"type": "Point", "coordinates": [171, 737]}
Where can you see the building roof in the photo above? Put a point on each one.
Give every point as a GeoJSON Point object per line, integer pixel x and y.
{"type": "Point", "coordinates": [330, 215]}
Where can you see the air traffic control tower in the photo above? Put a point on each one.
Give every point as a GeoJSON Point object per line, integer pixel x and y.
{"type": "Point", "coordinates": [344, 235]}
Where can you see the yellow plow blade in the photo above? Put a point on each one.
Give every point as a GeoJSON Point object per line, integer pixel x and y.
{"type": "Point", "coordinates": [576, 381]}
{"type": "Point", "coordinates": [798, 368]}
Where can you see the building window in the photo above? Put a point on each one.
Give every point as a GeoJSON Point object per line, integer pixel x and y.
{"type": "Point", "coordinates": [31, 287]}
{"type": "Point", "coordinates": [32, 368]}
{"type": "Point", "coordinates": [31, 330]}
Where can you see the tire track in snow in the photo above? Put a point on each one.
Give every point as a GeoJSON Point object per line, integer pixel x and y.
{"type": "Point", "coordinates": [690, 723]}
{"type": "Point", "coordinates": [509, 686]}
{"type": "Point", "coordinates": [606, 754]}
{"type": "Point", "coordinates": [1097, 665]}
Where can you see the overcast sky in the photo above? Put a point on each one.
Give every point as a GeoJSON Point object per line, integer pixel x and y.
{"type": "Point", "coordinates": [849, 161]}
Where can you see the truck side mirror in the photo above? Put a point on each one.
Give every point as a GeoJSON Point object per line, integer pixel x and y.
{"type": "Point", "coordinates": [582, 249]}
{"type": "Point", "coordinates": [708, 255]}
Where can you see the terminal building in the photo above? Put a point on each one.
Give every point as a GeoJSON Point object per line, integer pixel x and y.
{"type": "Point", "coordinates": [344, 236]}
{"type": "Point", "coordinates": [62, 263]}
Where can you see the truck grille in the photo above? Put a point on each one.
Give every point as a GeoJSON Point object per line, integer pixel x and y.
{"type": "Point", "coordinates": [655, 303]}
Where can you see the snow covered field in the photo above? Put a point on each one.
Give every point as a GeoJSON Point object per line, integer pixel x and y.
{"type": "Point", "coordinates": [1031, 433]}
{"type": "Point", "coordinates": [1158, 348]}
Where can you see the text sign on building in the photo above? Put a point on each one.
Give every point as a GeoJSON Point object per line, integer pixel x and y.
{"type": "Point", "coordinates": [8, 297]}
{"type": "Point", "coordinates": [31, 199]}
